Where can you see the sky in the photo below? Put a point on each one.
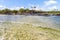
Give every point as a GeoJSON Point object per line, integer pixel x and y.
{"type": "Point", "coordinates": [40, 4]}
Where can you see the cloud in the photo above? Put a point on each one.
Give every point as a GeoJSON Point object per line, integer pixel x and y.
{"type": "Point", "coordinates": [52, 8]}
{"type": "Point", "coordinates": [50, 2]}
{"type": "Point", "coordinates": [2, 7]}
{"type": "Point", "coordinates": [12, 8]}
{"type": "Point", "coordinates": [22, 7]}
{"type": "Point", "coordinates": [16, 8]}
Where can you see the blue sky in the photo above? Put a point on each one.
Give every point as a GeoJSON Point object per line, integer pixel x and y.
{"type": "Point", "coordinates": [40, 4]}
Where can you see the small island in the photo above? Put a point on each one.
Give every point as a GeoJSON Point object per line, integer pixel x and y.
{"type": "Point", "coordinates": [27, 11]}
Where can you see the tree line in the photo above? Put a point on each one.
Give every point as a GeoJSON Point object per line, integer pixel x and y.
{"type": "Point", "coordinates": [8, 11]}
{"type": "Point", "coordinates": [23, 11]}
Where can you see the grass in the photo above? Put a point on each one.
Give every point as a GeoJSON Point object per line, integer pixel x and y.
{"type": "Point", "coordinates": [28, 32]}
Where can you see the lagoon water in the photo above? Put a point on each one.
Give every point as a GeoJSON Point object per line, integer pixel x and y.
{"type": "Point", "coordinates": [44, 21]}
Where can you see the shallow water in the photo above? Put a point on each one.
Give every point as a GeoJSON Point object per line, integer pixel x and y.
{"type": "Point", "coordinates": [45, 21]}
{"type": "Point", "coordinates": [11, 29]}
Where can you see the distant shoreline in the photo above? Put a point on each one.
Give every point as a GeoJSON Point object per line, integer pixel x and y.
{"type": "Point", "coordinates": [28, 12]}
{"type": "Point", "coordinates": [34, 14]}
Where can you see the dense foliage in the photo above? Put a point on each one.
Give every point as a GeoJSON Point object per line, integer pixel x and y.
{"type": "Point", "coordinates": [23, 11]}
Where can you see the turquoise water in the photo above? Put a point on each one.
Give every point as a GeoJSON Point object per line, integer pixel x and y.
{"type": "Point", "coordinates": [47, 21]}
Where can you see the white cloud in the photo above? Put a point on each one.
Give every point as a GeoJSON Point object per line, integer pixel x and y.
{"type": "Point", "coordinates": [22, 7]}
{"type": "Point", "coordinates": [12, 8]}
{"type": "Point", "coordinates": [52, 8]}
{"type": "Point", "coordinates": [50, 2]}
{"type": "Point", "coordinates": [16, 8]}
{"type": "Point", "coordinates": [2, 7]}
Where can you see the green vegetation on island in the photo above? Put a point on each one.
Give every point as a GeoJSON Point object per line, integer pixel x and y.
{"type": "Point", "coordinates": [27, 11]}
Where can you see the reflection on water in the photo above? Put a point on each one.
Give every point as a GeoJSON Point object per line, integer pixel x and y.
{"type": "Point", "coordinates": [49, 21]}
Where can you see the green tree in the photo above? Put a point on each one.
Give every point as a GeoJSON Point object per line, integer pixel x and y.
{"type": "Point", "coordinates": [15, 12]}
{"type": "Point", "coordinates": [27, 10]}
{"type": "Point", "coordinates": [6, 11]}
{"type": "Point", "coordinates": [0, 11]}
{"type": "Point", "coordinates": [21, 10]}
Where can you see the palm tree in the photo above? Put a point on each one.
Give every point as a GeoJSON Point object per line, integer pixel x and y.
{"type": "Point", "coordinates": [33, 8]}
